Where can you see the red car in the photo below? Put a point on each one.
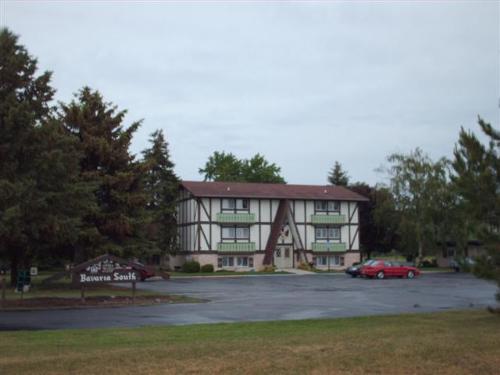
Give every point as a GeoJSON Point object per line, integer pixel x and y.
{"type": "Point", "coordinates": [383, 268]}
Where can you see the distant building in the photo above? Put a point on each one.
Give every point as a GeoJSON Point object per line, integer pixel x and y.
{"type": "Point", "coordinates": [243, 226]}
{"type": "Point", "coordinates": [450, 254]}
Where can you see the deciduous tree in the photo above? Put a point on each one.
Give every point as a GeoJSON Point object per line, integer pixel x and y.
{"type": "Point", "coordinates": [227, 167]}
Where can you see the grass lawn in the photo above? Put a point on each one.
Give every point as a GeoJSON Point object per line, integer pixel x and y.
{"type": "Point", "coordinates": [461, 342]}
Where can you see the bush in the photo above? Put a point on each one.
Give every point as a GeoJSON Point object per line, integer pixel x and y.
{"type": "Point", "coordinates": [428, 263]}
{"type": "Point", "coordinates": [191, 266]}
{"type": "Point", "coordinates": [267, 269]}
{"type": "Point", "coordinates": [304, 266]}
{"type": "Point", "coordinates": [207, 268]}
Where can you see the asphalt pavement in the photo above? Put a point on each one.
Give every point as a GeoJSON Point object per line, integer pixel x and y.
{"type": "Point", "coordinates": [275, 297]}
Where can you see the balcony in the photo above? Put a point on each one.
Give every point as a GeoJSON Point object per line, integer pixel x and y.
{"type": "Point", "coordinates": [230, 218]}
{"type": "Point", "coordinates": [236, 247]}
{"type": "Point", "coordinates": [328, 247]}
{"type": "Point", "coordinates": [328, 219]}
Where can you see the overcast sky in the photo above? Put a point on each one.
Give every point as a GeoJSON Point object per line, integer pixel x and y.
{"type": "Point", "coordinates": [305, 84]}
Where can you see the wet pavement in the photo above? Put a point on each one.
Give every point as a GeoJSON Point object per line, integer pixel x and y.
{"type": "Point", "coordinates": [275, 297]}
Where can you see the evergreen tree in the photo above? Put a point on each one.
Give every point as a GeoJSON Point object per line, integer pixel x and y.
{"type": "Point", "coordinates": [40, 200]}
{"type": "Point", "coordinates": [338, 176]}
{"type": "Point", "coordinates": [476, 180]}
{"type": "Point", "coordinates": [117, 224]}
{"type": "Point", "coordinates": [161, 186]}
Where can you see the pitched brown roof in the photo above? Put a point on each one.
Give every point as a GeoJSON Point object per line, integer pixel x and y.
{"type": "Point", "coordinates": [274, 191]}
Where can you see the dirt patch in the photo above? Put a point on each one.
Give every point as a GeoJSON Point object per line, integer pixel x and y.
{"type": "Point", "coordinates": [48, 303]}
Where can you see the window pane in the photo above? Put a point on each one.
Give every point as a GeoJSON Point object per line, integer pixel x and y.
{"type": "Point", "coordinates": [242, 204]}
{"type": "Point", "coordinates": [230, 262]}
{"type": "Point", "coordinates": [242, 232]}
{"type": "Point", "coordinates": [243, 261]}
{"type": "Point", "coordinates": [228, 232]}
{"type": "Point", "coordinates": [336, 233]}
{"type": "Point", "coordinates": [228, 203]}
{"type": "Point", "coordinates": [321, 205]}
{"type": "Point", "coordinates": [333, 206]}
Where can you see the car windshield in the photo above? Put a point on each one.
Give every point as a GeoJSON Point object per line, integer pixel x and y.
{"type": "Point", "coordinates": [368, 262]}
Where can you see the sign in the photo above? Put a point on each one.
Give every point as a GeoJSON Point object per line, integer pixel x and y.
{"type": "Point", "coordinates": [106, 269]}
{"type": "Point", "coordinates": [112, 277]}
{"type": "Point", "coordinates": [34, 271]}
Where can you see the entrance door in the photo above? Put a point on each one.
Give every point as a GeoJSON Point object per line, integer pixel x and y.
{"type": "Point", "coordinates": [283, 257]}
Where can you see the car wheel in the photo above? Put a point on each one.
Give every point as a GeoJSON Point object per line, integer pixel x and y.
{"type": "Point", "coordinates": [411, 274]}
{"type": "Point", "coordinates": [380, 275]}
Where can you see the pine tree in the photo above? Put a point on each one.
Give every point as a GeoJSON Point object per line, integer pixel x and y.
{"type": "Point", "coordinates": [161, 186]}
{"type": "Point", "coordinates": [338, 176]}
{"type": "Point", "coordinates": [39, 199]}
{"type": "Point", "coordinates": [117, 224]}
{"type": "Point", "coordinates": [476, 180]}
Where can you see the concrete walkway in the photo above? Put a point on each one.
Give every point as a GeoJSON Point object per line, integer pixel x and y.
{"type": "Point", "coordinates": [296, 271]}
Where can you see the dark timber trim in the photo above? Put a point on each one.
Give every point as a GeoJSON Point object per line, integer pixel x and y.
{"type": "Point", "coordinates": [199, 224]}
{"type": "Point", "coordinates": [275, 231]}
{"type": "Point", "coordinates": [349, 228]}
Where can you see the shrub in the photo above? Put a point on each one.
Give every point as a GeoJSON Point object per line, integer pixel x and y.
{"type": "Point", "coordinates": [191, 266]}
{"type": "Point", "coordinates": [267, 269]}
{"type": "Point", "coordinates": [207, 268]}
{"type": "Point", "coordinates": [304, 266]}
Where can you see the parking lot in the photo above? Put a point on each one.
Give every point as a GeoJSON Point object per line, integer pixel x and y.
{"type": "Point", "coordinates": [274, 297]}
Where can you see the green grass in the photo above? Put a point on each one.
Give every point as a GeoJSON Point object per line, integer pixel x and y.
{"type": "Point", "coordinates": [462, 342]}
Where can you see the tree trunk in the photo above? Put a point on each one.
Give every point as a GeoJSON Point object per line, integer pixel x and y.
{"type": "Point", "coordinates": [78, 255]}
{"type": "Point", "coordinates": [420, 255]}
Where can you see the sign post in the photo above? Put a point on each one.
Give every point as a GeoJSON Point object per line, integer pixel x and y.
{"type": "Point", "coordinates": [133, 291]}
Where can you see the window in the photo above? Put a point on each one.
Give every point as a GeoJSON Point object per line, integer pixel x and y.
{"type": "Point", "coordinates": [235, 232]}
{"type": "Point", "coordinates": [230, 261]}
{"type": "Point", "coordinates": [321, 261]}
{"type": "Point", "coordinates": [242, 261]}
{"type": "Point", "coordinates": [327, 233]}
{"type": "Point", "coordinates": [327, 206]}
{"type": "Point", "coordinates": [226, 262]}
{"type": "Point", "coordinates": [235, 205]}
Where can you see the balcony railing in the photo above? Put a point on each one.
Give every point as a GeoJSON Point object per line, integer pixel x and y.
{"type": "Point", "coordinates": [230, 218]}
{"type": "Point", "coordinates": [236, 247]}
{"type": "Point", "coordinates": [328, 219]}
{"type": "Point", "coordinates": [328, 247]}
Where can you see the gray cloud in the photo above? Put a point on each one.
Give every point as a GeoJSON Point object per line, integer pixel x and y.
{"type": "Point", "coordinates": [303, 83]}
